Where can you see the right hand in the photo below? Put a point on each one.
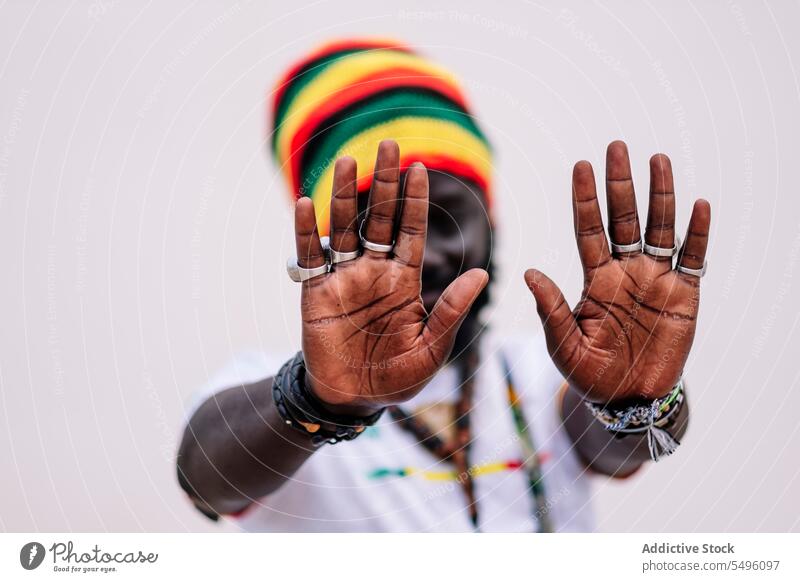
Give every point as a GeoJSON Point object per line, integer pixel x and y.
{"type": "Point", "coordinates": [367, 340]}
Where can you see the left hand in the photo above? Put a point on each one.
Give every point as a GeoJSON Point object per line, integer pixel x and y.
{"type": "Point", "coordinates": [631, 332]}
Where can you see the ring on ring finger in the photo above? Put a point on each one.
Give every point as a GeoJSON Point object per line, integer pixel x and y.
{"type": "Point", "coordinates": [655, 251]}
{"type": "Point", "coordinates": [336, 257]}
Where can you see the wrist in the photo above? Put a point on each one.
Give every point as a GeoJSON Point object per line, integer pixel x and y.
{"type": "Point", "coordinates": [653, 418]}
{"type": "Point", "coordinates": [301, 409]}
{"type": "Point", "coordinates": [596, 449]}
{"type": "Point", "coordinates": [336, 402]}
{"type": "Point", "coordinates": [619, 391]}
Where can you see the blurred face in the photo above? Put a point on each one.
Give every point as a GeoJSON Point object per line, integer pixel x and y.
{"type": "Point", "coordinates": [459, 234]}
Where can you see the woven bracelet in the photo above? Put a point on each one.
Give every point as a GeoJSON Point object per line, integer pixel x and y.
{"type": "Point", "coordinates": [652, 417]}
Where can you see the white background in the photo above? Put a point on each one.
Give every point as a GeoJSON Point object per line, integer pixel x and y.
{"type": "Point", "coordinates": [143, 228]}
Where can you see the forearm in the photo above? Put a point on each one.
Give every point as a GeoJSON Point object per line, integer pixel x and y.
{"type": "Point", "coordinates": [237, 448]}
{"type": "Point", "coordinates": [602, 451]}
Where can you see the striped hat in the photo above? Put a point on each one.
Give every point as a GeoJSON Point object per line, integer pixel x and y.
{"type": "Point", "coordinates": [347, 96]}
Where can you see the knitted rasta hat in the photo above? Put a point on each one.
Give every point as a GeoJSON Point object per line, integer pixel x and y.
{"type": "Point", "coordinates": [347, 96]}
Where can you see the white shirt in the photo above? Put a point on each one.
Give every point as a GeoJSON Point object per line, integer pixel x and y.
{"type": "Point", "coordinates": [358, 486]}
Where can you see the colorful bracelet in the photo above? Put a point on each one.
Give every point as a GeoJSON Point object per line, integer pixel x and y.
{"type": "Point", "coordinates": [652, 417]}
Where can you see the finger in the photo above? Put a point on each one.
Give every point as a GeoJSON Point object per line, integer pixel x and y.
{"type": "Point", "coordinates": [660, 230]}
{"type": "Point", "coordinates": [383, 196]}
{"type": "Point", "coordinates": [560, 328]}
{"type": "Point", "coordinates": [693, 252]}
{"type": "Point", "coordinates": [449, 312]}
{"type": "Point", "coordinates": [309, 249]}
{"type": "Point", "coordinates": [344, 206]}
{"type": "Point", "coordinates": [623, 219]}
{"type": "Point", "coordinates": [589, 232]}
{"type": "Point", "coordinates": [410, 246]}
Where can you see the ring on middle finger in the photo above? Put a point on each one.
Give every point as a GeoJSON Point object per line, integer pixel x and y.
{"type": "Point", "coordinates": [631, 248]}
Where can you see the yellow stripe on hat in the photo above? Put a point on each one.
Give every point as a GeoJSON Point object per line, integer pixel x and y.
{"type": "Point", "coordinates": [344, 73]}
{"type": "Point", "coordinates": [418, 138]}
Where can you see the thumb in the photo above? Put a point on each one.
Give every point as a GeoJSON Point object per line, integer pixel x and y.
{"type": "Point", "coordinates": [450, 310]}
{"type": "Point", "coordinates": [560, 327]}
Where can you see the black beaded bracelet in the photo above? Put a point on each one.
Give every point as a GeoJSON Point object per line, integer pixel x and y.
{"type": "Point", "coordinates": [301, 410]}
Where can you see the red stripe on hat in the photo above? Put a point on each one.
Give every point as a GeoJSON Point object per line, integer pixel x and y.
{"type": "Point", "coordinates": [442, 163]}
{"type": "Point", "coordinates": [454, 167]}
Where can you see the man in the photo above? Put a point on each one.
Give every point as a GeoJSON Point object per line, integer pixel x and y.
{"type": "Point", "coordinates": [401, 412]}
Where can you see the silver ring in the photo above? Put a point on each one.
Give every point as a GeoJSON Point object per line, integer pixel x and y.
{"type": "Point", "coordinates": [694, 272]}
{"type": "Point", "coordinates": [378, 248]}
{"type": "Point", "coordinates": [631, 248]}
{"type": "Point", "coordinates": [299, 274]}
{"type": "Point", "coordinates": [655, 251]}
{"type": "Point", "coordinates": [334, 256]}
{"type": "Point", "coordinates": [342, 257]}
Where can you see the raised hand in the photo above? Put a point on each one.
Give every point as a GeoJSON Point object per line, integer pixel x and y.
{"type": "Point", "coordinates": [631, 332]}
{"type": "Point", "coordinates": [367, 339]}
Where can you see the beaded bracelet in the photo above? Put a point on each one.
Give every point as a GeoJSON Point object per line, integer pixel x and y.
{"type": "Point", "coordinates": [300, 409]}
{"type": "Point", "coordinates": [651, 417]}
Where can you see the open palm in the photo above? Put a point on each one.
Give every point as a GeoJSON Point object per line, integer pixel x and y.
{"type": "Point", "coordinates": [367, 339]}
{"type": "Point", "coordinates": [631, 332]}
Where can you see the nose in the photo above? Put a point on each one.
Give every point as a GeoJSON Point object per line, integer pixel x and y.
{"type": "Point", "coordinates": [443, 255]}
{"type": "Point", "coordinates": [435, 258]}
